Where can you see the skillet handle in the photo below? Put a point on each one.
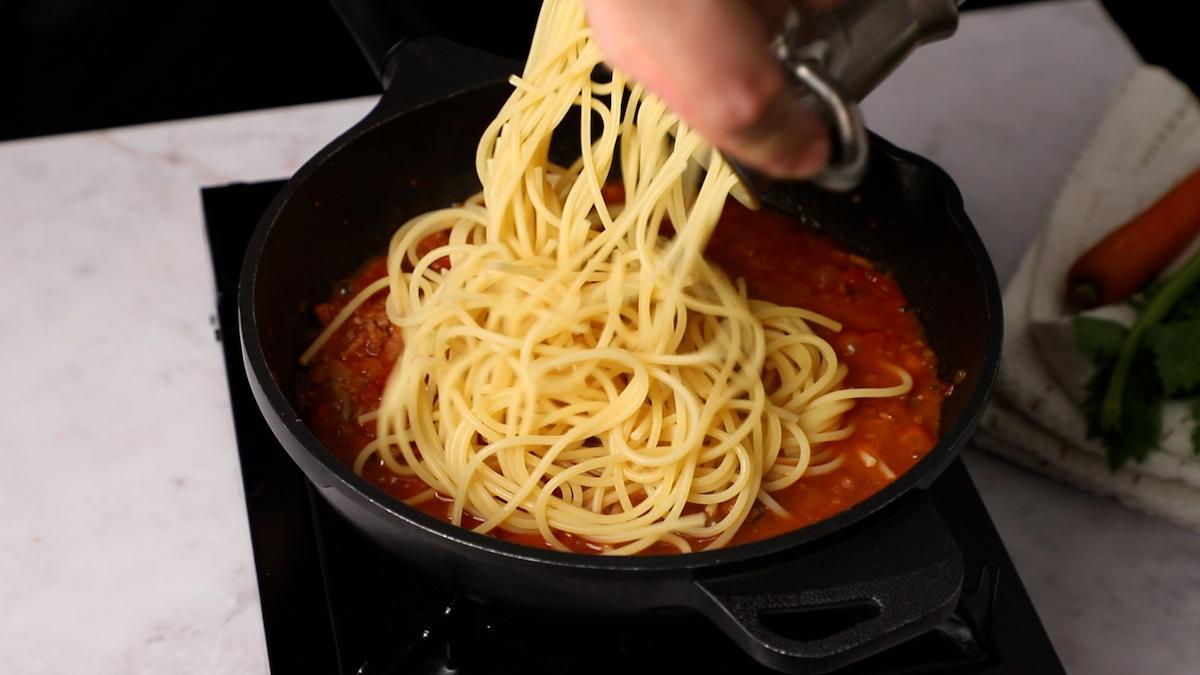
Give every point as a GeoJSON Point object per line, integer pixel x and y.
{"type": "Point", "coordinates": [379, 26]}
{"type": "Point", "coordinates": [413, 63]}
{"type": "Point", "coordinates": [844, 601]}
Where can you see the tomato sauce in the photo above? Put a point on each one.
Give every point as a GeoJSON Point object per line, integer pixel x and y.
{"type": "Point", "coordinates": [781, 261]}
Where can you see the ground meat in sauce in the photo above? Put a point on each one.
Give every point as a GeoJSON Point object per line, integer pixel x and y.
{"type": "Point", "coordinates": [781, 261]}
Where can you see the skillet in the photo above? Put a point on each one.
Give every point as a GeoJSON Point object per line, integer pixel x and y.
{"type": "Point", "coordinates": [811, 600]}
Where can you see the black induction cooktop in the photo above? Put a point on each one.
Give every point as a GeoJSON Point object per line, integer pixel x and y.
{"type": "Point", "coordinates": [333, 602]}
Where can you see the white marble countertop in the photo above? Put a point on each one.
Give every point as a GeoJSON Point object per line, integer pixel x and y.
{"type": "Point", "coordinates": [123, 534]}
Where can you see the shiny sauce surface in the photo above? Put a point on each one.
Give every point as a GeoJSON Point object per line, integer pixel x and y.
{"type": "Point", "coordinates": [781, 261]}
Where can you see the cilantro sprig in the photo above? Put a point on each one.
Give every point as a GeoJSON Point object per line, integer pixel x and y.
{"type": "Point", "coordinates": [1141, 367]}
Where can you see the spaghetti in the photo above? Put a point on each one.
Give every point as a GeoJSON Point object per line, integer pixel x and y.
{"type": "Point", "coordinates": [572, 364]}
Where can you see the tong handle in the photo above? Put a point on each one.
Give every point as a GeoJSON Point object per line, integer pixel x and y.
{"type": "Point", "coordinates": [847, 135]}
{"type": "Point", "coordinates": [837, 58]}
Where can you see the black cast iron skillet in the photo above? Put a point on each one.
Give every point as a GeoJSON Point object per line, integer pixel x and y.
{"type": "Point", "coordinates": [808, 601]}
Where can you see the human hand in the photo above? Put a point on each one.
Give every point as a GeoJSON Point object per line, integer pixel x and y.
{"type": "Point", "coordinates": [710, 62]}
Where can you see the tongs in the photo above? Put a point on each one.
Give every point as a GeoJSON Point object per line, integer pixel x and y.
{"type": "Point", "coordinates": [836, 58]}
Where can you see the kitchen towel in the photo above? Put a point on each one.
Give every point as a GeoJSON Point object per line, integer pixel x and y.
{"type": "Point", "coordinates": [1147, 141]}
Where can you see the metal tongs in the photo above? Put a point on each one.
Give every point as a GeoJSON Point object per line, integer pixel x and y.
{"type": "Point", "coordinates": [836, 58]}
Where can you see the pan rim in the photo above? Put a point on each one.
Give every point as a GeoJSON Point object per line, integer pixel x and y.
{"type": "Point", "coordinates": [283, 418]}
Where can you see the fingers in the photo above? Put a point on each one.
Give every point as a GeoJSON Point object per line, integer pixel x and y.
{"type": "Point", "coordinates": [710, 61]}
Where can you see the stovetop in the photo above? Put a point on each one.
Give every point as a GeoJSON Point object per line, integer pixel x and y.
{"type": "Point", "coordinates": [334, 602]}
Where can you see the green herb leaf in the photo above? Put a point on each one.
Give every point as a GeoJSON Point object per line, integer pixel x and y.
{"type": "Point", "coordinates": [1176, 348]}
{"type": "Point", "coordinates": [1187, 307]}
{"type": "Point", "coordinates": [1158, 356]}
{"type": "Point", "coordinates": [1098, 338]}
{"type": "Point", "coordinates": [1141, 412]}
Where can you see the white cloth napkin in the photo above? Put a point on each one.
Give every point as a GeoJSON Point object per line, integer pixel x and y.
{"type": "Point", "coordinates": [1147, 142]}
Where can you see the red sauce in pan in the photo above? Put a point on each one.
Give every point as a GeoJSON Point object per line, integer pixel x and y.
{"type": "Point", "coordinates": [781, 261]}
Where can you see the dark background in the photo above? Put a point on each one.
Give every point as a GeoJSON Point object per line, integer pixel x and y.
{"type": "Point", "coordinates": [69, 65]}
